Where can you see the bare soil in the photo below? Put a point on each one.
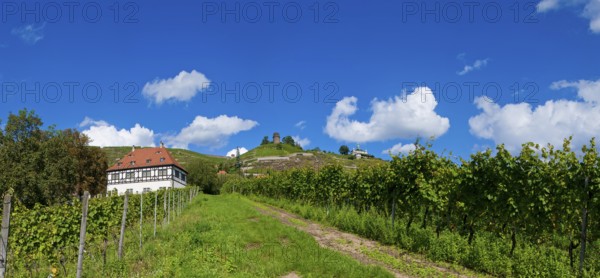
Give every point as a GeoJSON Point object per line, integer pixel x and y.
{"type": "Point", "coordinates": [353, 245]}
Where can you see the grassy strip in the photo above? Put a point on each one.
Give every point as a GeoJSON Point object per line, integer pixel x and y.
{"type": "Point", "coordinates": [224, 236]}
{"type": "Point", "coordinates": [443, 251]}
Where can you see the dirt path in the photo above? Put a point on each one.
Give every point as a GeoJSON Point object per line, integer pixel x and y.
{"type": "Point", "coordinates": [364, 250]}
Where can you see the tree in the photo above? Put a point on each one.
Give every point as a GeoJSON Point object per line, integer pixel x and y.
{"type": "Point", "coordinates": [265, 141]}
{"type": "Point", "coordinates": [289, 140]}
{"type": "Point", "coordinates": [344, 150]}
{"type": "Point", "coordinates": [47, 166]}
{"type": "Point", "coordinates": [203, 174]}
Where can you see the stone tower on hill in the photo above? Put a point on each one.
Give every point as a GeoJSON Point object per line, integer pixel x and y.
{"type": "Point", "coordinates": [276, 139]}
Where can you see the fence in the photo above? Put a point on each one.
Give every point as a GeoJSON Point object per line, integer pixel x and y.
{"type": "Point", "coordinates": [44, 241]}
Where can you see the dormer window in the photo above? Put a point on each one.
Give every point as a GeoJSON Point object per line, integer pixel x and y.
{"type": "Point", "coordinates": [148, 161]}
{"type": "Point", "coordinates": [132, 163]}
{"type": "Point", "coordinates": [119, 163]}
{"type": "Point", "coordinates": [162, 159]}
{"type": "Point", "coordinates": [157, 152]}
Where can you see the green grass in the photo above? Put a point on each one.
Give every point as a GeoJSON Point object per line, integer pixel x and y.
{"type": "Point", "coordinates": [271, 150]}
{"type": "Point", "coordinates": [219, 236]}
{"type": "Point", "coordinates": [184, 157]}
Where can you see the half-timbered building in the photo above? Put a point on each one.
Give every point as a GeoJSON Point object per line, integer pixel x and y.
{"type": "Point", "coordinates": [145, 170]}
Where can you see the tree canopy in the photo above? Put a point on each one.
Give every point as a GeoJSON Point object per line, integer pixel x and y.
{"type": "Point", "coordinates": [344, 150]}
{"type": "Point", "coordinates": [47, 166]}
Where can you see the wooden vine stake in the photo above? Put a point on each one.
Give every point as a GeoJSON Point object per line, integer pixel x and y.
{"type": "Point", "coordinates": [5, 229]}
{"type": "Point", "coordinates": [84, 214]}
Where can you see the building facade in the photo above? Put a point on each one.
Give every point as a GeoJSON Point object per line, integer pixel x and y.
{"type": "Point", "coordinates": [145, 170]}
{"type": "Point", "coordinates": [358, 152]}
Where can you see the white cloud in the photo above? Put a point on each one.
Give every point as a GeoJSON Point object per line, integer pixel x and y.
{"type": "Point", "coordinates": [212, 132]}
{"type": "Point", "coordinates": [478, 64]}
{"type": "Point", "coordinates": [30, 33]}
{"type": "Point", "coordinates": [587, 90]}
{"type": "Point", "coordinates": [399, 148]}
{"type": "Point", "coordinates": [303, 142]}
{"type": "Point", "coordinates": [591, 10]}
{"type": "Point", "coordinates": [233, 152]}
{"type": "Point", "coordinates": [406, 116]}
{"type": "Point", "coordinates": [182, 87]}
{"type": "Point", "coordinates": [87, 121]}
{"type": "Point", "coordinates": [552, 122]}
{"type": "Point", "coordinates": [103, 134]}
{"type": "Point", "coordinates": [547, 5]}
{"type": "Point", "coordinates": [301, 124]}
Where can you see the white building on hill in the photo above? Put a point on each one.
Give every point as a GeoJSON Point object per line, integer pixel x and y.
{"type": "Point", "coordinates": [358, 152]}
{"type": "Point", "coordinates": [144, 170]}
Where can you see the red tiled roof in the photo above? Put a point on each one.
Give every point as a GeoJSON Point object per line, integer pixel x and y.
{"type": "Point", "coordinates": [146, 157]}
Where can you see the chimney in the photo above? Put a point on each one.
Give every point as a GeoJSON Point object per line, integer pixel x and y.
{"type": "Point", "coordinates": [132, 148]}
{"type": "Point", "coordinates": [162, 145]}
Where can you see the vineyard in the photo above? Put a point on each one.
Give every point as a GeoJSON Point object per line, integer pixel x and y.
{"type": "Point", "coordinates": [535, 214]}
{"type": "Point", "coordinates": [44, 241]}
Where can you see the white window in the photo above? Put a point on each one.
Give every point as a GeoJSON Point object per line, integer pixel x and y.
{"type": "Point", "coordinates": [129, 175]}
{"type": "Point", "coordinates": [146, 173]}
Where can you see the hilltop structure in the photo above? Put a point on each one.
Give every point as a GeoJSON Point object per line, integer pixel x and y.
{"type": "Point", "coordinates": [145, 170]}
{"type": "Point", "coordinates": [358, 152]}
{"type": "Point", "coordinates": [276, 138]}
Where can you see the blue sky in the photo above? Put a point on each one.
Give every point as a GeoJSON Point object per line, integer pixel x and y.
{"type": "Point", "coordinates": [378, 73]}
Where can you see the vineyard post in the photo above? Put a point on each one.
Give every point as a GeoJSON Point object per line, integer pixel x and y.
{"type": "Point", "coordinates": [141, 216]}
{"type": "Point", "coordinates": [173, 208]}
{"type": "Point", "coordinates": [5, 229]}
{"type": "Point", "coordinates": [155, 203]}
{"type": "Point", "coordinates": [84, 214]}
{"type": "Point", "coordinates": [123, 220]}
{"type": "Point", "coordinates": [168, 207]}
{"type": "Point", "coordinates": [164, 207]}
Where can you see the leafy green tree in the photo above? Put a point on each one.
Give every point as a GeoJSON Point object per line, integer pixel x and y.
{"type": "Point", "coordinates": [344, 150]}
{"type": "Point", "coordinates": [203, 175]}
{"type": "Point", "coordinates": [288, 140]}
{"type": "Point", "coordinates": [47, 166]}
{"type": "Point", "coordinates": [265, 141]}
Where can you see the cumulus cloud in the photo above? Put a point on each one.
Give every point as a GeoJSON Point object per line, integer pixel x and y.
{"type": "Point", "coordinates": [301, 124]}
{"type": "Point", "coordinates": [406, 116]}
{"type": "Point", "coordinates": [211, 132]}
{"type": "Point", "coordinates": [547, 5]}
{"type": "Point", "coordinates": [478, 64]}
{"type": "Point", "coordinates": [587, 90]}
{"type": "Point", "coordinates": [233, 152]}
{"type": "Point", "coordinates": [30, 34]}
{"type": "Point", "coordinates": [182, 87]}
{"type": "Point", "coordinates": [591, 9]}
{"type": "Point", "coordinates": [552, 122]}
{"type": "Point", "coordinates": [399, 148]}
{"type": "Point", "coordinates": [303, 142]}
{"type": "Point", "coordinates": [103, 134]}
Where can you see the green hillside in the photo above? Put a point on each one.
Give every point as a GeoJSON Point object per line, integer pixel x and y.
{"type": "Point", "coordinates": [184, 157]}
{"type": "Point", "coordinates": [271, 150]}
{"type": "Point", "coordinates": [254, 160]}
{"type": "Point", "coordinates": [297, 158]}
